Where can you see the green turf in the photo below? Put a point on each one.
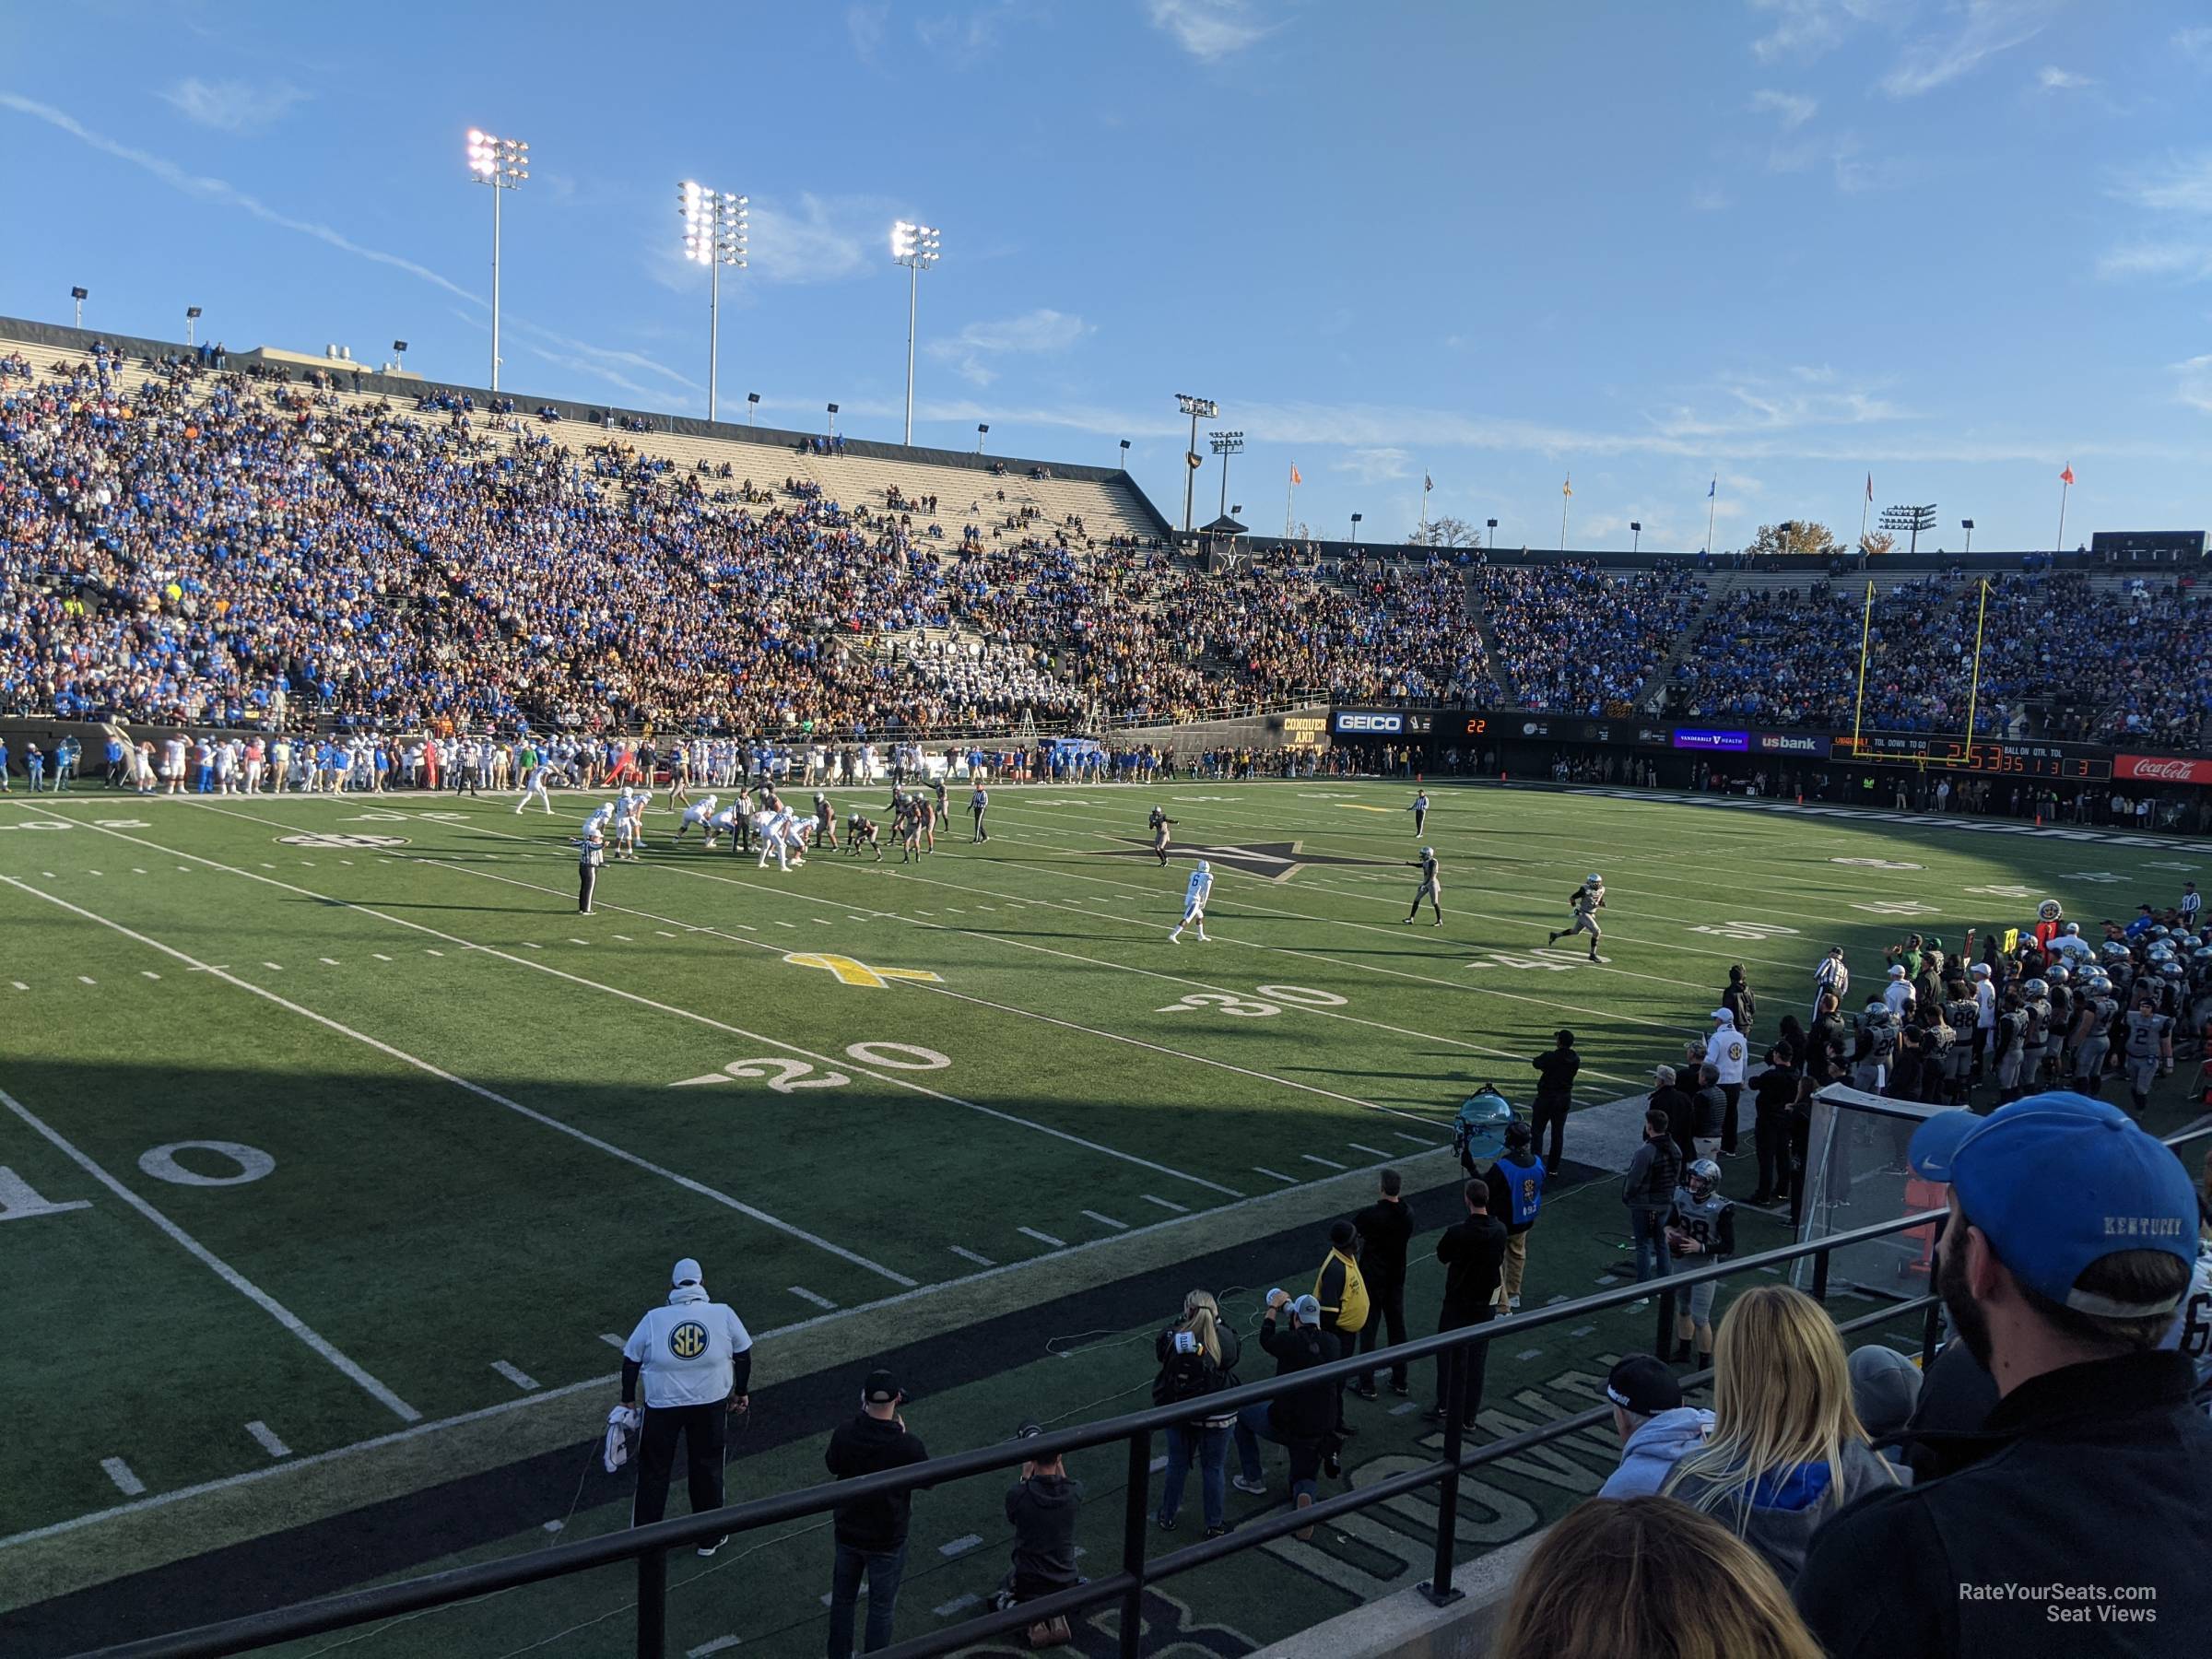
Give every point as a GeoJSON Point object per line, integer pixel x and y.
{"type": "Point", "coordinates": [478, 1156]}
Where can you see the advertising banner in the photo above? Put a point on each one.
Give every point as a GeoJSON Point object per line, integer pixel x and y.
{"type": "Point", "coordinates": [2160, 768]}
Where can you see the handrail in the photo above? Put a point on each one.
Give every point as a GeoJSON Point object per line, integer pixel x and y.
{"type": "Point", "coordinates": [648, 1545]}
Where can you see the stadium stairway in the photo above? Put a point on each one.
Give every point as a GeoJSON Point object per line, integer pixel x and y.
{"type": "Point", "coordinates": [1492, 659]}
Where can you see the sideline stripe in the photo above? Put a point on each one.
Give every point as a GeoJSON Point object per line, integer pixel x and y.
{"type": "Point", "coordinates": [215, 1263]}
{"type": "Point", "coordinates": [477, 1090]}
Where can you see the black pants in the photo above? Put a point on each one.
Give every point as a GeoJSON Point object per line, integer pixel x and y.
{"type": "Point", "coordinates": [1385, 1306]}
{"type": "Point", "coordinates": [1475, 1360]}
{"type": "Point", "coordinates": [587, 877]}
{"type": "Point", "coordinates": [978, 835]}
{"type": "Point", "coordinates": [1549, 1113]}
{"type": "Point", "coordinates": [1417, 817]}
{"type": "Point", "coordinates": [1770, 1143]}
{"type": "Point", "coordinates": [1732, 1092]}
{"type": "Point", "coordinates": [703, 1429]}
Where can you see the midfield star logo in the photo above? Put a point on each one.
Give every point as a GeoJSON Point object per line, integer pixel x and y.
{"type": "Point", "coordinates": [1277, 861]}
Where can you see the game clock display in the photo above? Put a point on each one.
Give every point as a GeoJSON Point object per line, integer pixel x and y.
{"type": "Point", "coordinates": [2017, 760]}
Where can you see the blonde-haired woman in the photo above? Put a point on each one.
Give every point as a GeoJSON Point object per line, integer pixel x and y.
{"type": "Point", "coordinates": [1197, 1357]}
{"type": "Point", "coordinates": [1787, 1450]}
{"type": "Point", "coordinates": [1645, 1577]}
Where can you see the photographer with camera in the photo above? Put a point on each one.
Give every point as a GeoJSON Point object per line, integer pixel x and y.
{"type": "Point", "coordinates": [1041, 1506]}
{"type": "Point", "coordinates": [1198, 1356]}
{"type": "Point", "coordinates": [1302, 1420]}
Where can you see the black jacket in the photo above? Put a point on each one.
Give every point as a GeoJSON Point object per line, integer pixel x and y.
{"type": "Point", "coordinates": [864, 1446]}
{"type": "Point", "coordinates": [1042, 1509]}
{"type": "Point", "coordinates": [1674, 1102]}
{"type": "Point", "coordinates": [1556, 1069]}
{"type": "Point", "coordinates": [2100, 1478]}
{"type": "Point", "coordinates": [1653, 1175]}
{"type": "Point", "coordinates": [1300, 1413]}
{"type": "Point", "coordinates": [1473, 1254]}
{"type": "Point", "coordinates": [1385, 1229]}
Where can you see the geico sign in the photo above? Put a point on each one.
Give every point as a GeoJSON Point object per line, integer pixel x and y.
{"type": "Point", "coordinates": [2161, 769]}
{"type": "Point", "coordinates": [1371, 723]}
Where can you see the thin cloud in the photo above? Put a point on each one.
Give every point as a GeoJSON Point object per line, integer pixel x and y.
{"type": "Point", "coordinates": [1794, 109]}
{"type": "Point", "coordinates": [1990, 26]}
{"type": "Point", "coordinates": [2190, 261]}
{"type": "Point", "coordinates": [2051, 79]}
{"type": "Point", "coordinates": [1039, 333]}
{"type": "Point", "coordinates": [1210, 29]}
{"type": "Point", "coordinates": [2193, 382]}
{"type": "Point", "coordinates": [222, 193]}
{"type": "Point", "coordinates": [818, 239]}
{"type": "Point", "coordinates": [865, 25]}
{"type": "Point", "coordinates": [2179, 185]}
{"type": "Point", "coordinates": [1806, 29]}
{"type": "Point", "coordinates": [2195, 44]}
{"type": "Point", "coordinates": [1374, 466]}
{"type": "Point", "coordinates": [233, 106]}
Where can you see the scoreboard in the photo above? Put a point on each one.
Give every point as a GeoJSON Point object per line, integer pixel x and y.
{"type": "Point", "coordinates": [2053, 760]}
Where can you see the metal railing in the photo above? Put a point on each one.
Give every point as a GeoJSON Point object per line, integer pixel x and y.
{"type": "Point", "coordinates": [649, 1545]}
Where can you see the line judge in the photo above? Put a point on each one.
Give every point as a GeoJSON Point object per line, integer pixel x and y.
{"type": "Point", "coordinates": [696, 1358]}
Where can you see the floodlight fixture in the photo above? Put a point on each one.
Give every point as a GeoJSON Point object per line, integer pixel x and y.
{"type": "Point", "coordinates": [79, 296]}
{"type": "Point", "coordinates": [917, 247]}
{"type": "Point", "coordinates": [1197, 408]}
{"type": "Point", "coordinates": [715, 226]}
{"type": "Point", "coordinates": [192, 318]}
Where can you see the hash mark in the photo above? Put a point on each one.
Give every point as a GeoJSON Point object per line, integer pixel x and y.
{"type": "Point", "coordinates": [1327, 1162]}
{"type": "Point", "coordinates": [83, 981]}
{"type": "Point", "coordinates": [960, 1546]}
{"type": "Point", "coordinates": [128, 1483]}
{"type": "Point", "coordinates": [268, 1436]}
{"type": "Point", "coordinates": [1372, 1151]}
{"type": "Point", "coordinates": [969, 1256]}
{"type": "Point", "coordinates": [1042, 1237]}
{"type": "Point", "coordinates": [1275, 1175]}
{"type": "Point", "coordinates": [716, 1646]}
{"type": "Point", "coordinates": [1166, 1204]}
{"type": "Point", "coordinates": [149, 974]}
{"type": "Point", "coordinates": [807, 1296]}
{"type": "Point", "coordinates": [522, 1379]}
{"type": "Point", "coordinates": [1107, 1221]}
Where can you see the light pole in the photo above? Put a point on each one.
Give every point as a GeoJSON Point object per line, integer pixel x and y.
{"type": "Point", "coordinates": [80, 296]}
{"type": "Point", "coordinates": [833, 420]}
{"type": "Point", "coordinates": [399, 354]}
{"type": "Point", "coordinates": [192, 318]}
{"type": "Point", "coordinates": [1124, 454]}
{"type": "Point", "coordinates": [714, 226]}
{"type": "Point", "coordinates": [1910, 520]}
{"type": "Point", "coordinates": [917, 247]}
{"type": "Point", "coordinates": [1225, 444]}
{"type": "Point", "coordinates": [1968, 525]}
{"type": "Point", "coordinates": [1197, 408]}
{"type": "Point", "coordinates": [1356, 518]}
{"type": "Point", "coordinates": [982, 431]}
{"type": "Point", "coordinates": [1637, 531]}
{"type": "Point", "coordinates": [1492, 525]}
{"type": "Point", "coordinates": [752, 406]}
{"type": "Point", "coordinates": [502, 163]}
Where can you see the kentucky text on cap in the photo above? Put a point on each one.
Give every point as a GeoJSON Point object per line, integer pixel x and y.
{"type": "Point", "coordinates": [2058, 1182]}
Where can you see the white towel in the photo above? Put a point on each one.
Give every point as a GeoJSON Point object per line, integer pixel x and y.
{"type": "Point", "coordinates": [621, 1423]}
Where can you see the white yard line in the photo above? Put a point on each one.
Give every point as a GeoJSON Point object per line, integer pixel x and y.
{"type": "Point", "coordinates": [206, 1257]}
{"type": "Point", "coordinates": [477, 1090]}
{"type": "Point", "coordinates": [266, 1436]}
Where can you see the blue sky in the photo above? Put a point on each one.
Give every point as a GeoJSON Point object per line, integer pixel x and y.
{"type": "Point", "coordinates": [1958, 243]}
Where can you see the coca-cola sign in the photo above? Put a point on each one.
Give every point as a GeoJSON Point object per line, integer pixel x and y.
{"type": "Point", "coordinates": [2161, 769]}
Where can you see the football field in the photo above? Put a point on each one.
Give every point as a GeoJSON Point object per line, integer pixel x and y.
{"type": "Point", "coordinates": [337, 1149]}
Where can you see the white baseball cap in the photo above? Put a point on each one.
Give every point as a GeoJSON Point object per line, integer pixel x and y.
{"type": "Point", "coordinates": [1724, 1016]}
{"type": "Point", "coordinates": [686, 1272]}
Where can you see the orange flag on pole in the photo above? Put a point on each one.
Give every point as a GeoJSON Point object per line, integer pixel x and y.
{"type": "Point", "coordinates": [2067, 477]}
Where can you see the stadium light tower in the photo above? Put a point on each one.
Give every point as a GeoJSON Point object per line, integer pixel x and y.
{"type": "Point", "coordinates": [192, 318]}
{"type": "Point", "coordinates": [917, 247]}
{"type": "Point", "coordinates": [502, 163]}
{"type": "Point", "coordinates": [1356, 518]}
{"type": "Point", "coordinates": [1968, 525]}
{"type": "Point", "coordinates": [1911, 521]}
{"type": "Point", "coordinates": [1636, 531]}
{"type": "Point", "coordinates": [1124, 454]}
{"type": "Point", "coordinates": [752, 406]}
{"type": "Point", "coordinates": [1492, 525]}
{"type": "Point", "coordinates": [1225, 444]}
{"type": "Point", "coordinates": [1197, 408]}
{"type": "Point", "coordinates": [80, 296]}
{"type": "Point", "coordinates": [714, 227]}
{"type": "Point", "coordinates": [983, 431]}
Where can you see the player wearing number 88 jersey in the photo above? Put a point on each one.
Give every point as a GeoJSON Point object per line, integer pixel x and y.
{"type": "Point", "coordinates": [1702, 1225]}
{"type": "Point", "coordinates": [1195, 894]}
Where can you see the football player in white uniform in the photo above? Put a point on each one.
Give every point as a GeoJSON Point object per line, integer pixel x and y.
{"type": "Point", "coordinates": [700, 812]}
{"type": "Point", "coordinates": [1195, 894]}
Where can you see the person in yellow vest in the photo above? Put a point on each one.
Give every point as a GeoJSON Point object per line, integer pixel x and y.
{"type": "Point", "coordinates": [1342, 1293]}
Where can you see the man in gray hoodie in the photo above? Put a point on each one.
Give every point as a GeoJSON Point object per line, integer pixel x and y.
{"type": "Point", "coordinates": [1656, 1429]}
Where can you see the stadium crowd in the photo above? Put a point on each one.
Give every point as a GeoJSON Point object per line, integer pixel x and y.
{"type": "Point", "coordinates": [186, 544]}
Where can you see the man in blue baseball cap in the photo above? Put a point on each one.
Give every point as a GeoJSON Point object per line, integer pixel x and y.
{"type": "Point", "coordinates": [2067, 1256]}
